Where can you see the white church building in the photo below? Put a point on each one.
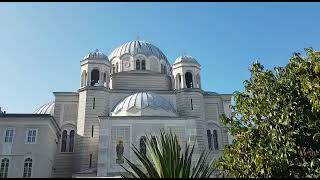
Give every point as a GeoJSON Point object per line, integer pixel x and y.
{"type": "Point", "coordinates": [122, 97]}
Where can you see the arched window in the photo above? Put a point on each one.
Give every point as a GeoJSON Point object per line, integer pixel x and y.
{"type": "Point", "coordinates": [143, 65]}
{"type": "Point", "coordinates": [161, 68]}
{"type": "Point", "coordinates": [94, 77]}
{"type": "Point", "coordinates": [138, 64]}
{"type": "Point", "coordinates": [4, 168]}
{"type": "Point", "coordinates": [71, 141]}
{"type": "Point", "coordinates": [215, 139]}
{"type": "Point", "coordinates": [188, 77]}
{"type": "Point", "coordinates": [143, 147]}
{"type": "Point", "coordinates": [117, 67]}
{"type": "Point", "coordinates": [209, 136]}
{"type": "Point", "coordinates": [27, 170]}
{"type": "Point", "coordinates": [164, 69]}
{"type": "Point", "coordinates": [64, 141]}
{"type": "Point", "coordinates": [83, 78]}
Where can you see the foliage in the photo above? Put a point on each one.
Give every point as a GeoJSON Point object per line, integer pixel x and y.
{"type": "Point", "coordinates": [276, 122]}
{"type": "Point", "coordinates": [167, 161]}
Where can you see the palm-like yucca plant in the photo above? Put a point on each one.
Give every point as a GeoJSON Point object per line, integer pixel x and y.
{"type": "Point", "coordinates": [167, 161]}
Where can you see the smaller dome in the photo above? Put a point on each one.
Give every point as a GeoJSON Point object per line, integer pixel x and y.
{"type": "Point", "coordinates": [144, 104]}
{"type": "Point", "coordinates": [96, 56]}
{"type": "Point", "coordinates": [46, 109]}
{"type": "Point", "coordinates": [186, 58]}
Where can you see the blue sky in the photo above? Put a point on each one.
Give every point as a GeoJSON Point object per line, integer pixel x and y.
{"type": "Point", "coordinates": [42, 43]}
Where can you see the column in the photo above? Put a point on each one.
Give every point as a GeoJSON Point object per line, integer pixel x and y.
{"type": "Point", "coordinates": [183, 81]}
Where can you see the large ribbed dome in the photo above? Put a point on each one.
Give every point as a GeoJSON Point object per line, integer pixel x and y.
{"type": "Point", "coordinates": [144, 104]}
{"type": "Point", "coordinates": [137, 47]}
{"type": "Point", "coordinates": [46, 109]}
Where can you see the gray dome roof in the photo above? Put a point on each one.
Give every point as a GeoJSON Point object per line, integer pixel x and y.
{"type": "Point", "coordinates": [144, 104]}
{"type": "Point", "coordinates": [96, 56]}
{"type": "Point", "coordinates": [46, 109]}
{"type": "Point", "coordinates": [186, 58]}
{"type": "Point", "coordinates": [138, 47]}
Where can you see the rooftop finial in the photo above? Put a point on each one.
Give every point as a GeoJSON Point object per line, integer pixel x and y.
{"type": "Point", "coordinates": [138, 37]}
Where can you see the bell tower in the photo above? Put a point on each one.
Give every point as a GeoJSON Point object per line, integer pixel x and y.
{"type": "Point", "coordinates": [93, 102]}
{"type": "Point", "coordinates": [190, 103]}
{"type": "Point", "coordinates": [186, 75]}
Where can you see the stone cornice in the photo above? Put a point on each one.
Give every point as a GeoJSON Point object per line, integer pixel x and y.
{"type": "Point", "coordinates": [148, 117]}
{"type": "Point", "coordinates": [66, 93]}
{"type": "Point", "coordinates": [91, 61]}
{"type": "Point", "coordinates": [198, 90]}
{"type": "Point", "coordinates": [184, 64]}
{"type": "Point", "coordinates": [95, 88]}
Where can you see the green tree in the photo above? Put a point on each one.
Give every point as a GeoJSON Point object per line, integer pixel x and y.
{"type": "Point", "coordinates": [167, 161]}
{"type": "Point", "coordinates": [276, 122]}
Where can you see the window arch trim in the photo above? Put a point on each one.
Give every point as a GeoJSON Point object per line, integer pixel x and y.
{"type": "Point", "coordinates": [143, 64]}
{"type": "Point", "coordinates": [94, 77]}
{"type": "Point", "coordinates": [71, 141]}
{"type": "Point", "coordinates": [4, 167]}
{"type": "Point", "coordinates": [28, 167]}
{"type": "Point", "coordinates": [138, 64]}
{"type": "Point", "coordinates": [64, 140]}
{"type": "Point", "coordinates": [189, 79]}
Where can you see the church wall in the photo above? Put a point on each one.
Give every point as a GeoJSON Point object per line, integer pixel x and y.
{"type": "Point", "coordinates": [86, 143]}
{"type": "Point", "coordinates": [130, 130]}
{"type": "Point", "coordinates": [184, 106]}
{"type": "Point", "coordinates": [66, 108]}
{"type": "Point", "coordinates": [141, 80]}
{"type": "Point", "coordinates": [215, 106]}
{"type": "Point", "coordinates": [66, 114]}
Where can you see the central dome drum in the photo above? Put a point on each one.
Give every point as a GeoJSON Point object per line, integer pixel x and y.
{"type": "Point", "coordinates": [144, 104]}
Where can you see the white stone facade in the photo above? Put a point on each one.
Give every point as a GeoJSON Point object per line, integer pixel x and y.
{"type": "Point", "coordinates": [133, 92]}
